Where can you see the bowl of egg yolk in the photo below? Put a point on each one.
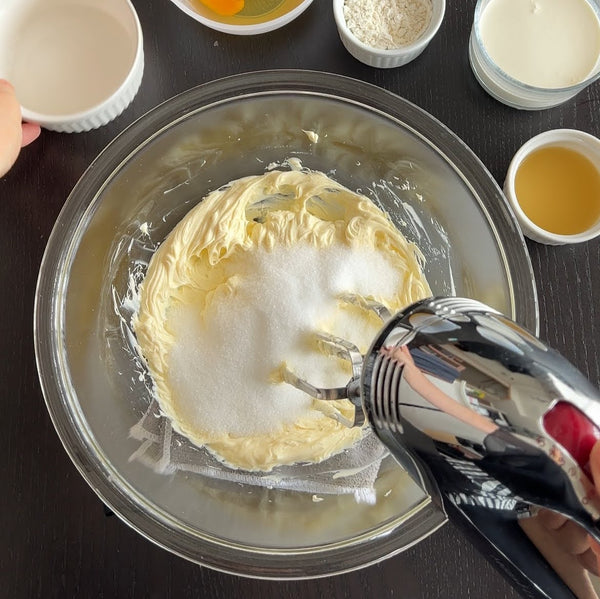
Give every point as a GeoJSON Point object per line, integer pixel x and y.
{"type": "Point", "coordinates": [243, 17]}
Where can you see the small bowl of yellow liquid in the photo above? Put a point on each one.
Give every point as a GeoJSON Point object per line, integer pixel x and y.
{"type": "Point", "coordinates": [553, 185]}
{"type": "Point", "coordinates": [243, 17]}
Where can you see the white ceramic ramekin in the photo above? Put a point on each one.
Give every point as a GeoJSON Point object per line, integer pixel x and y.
{"type": "Point", "coordinates": [387, 59]}
{"type": "Point", "coordinates": [585, 144]}
{"type": "Point", "coordinates": [75, 64]}
{"type": "Point", "coordinates": [243, 25]}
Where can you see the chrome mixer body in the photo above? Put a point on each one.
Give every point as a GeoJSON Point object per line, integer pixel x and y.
{"type": "Point", "coordinates": [498, 420]}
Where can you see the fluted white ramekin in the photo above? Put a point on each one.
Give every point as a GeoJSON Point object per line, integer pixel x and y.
{"type": "Point", "coordinates": [58, 86]}
{"type": "Point", "coordinates": [387, 59]}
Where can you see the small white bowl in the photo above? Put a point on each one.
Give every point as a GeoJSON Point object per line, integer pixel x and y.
{"type": "Point", "coordinates": [75, 64]}
{"type": "Point", "coordinates": [241, 24]}
{"type": "Point", "coordinates": [579, 141]}
{"type": "Point", "coordinates": [387, 59]}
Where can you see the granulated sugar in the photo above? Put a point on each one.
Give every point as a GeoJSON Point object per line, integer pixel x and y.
{"type": "Point", "coordinates": [264, 317]}
{"type": "Point", "coordinates": [387, 24]}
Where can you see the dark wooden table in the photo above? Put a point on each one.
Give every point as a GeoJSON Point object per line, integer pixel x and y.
{"type": "Point", "coordinates": [55, 540]}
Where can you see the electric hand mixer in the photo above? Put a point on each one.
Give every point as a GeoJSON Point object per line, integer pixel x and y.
{"type": "Point", "coordinates": [500, 421]}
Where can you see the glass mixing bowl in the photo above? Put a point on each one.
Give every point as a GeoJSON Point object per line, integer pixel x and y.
{"type": "Point", "coordinates": [435, 190]}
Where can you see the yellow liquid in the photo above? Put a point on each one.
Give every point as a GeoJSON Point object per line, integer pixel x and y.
{"type": "Point", "coordinates": [254, 11]}
{"type": "Point", "coordinates": [559, 190]}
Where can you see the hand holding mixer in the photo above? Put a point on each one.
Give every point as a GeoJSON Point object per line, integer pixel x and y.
{"type": "Point", "coordinates": [499, 421]}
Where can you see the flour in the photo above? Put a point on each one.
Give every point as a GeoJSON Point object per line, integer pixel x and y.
{"type": "Point", "coordinates": [387, 24]}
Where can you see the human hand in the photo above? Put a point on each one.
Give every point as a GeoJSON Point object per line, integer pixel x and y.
{"type": "Point", "coordinates": [567, 547]}
{"type": "Point", "coordinates": [572, 538]}
{"type": "Point", "coordinates": [595, 468]}
{"type": "Point", "coordinates": [14, 134]}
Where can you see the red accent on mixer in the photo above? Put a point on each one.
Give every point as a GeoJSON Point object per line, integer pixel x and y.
{"type": "Point", "coordinates": [570, 427]}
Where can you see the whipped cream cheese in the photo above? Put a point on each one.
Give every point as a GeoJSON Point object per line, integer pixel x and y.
{"type": "Point", "coordinates": [238, 287]}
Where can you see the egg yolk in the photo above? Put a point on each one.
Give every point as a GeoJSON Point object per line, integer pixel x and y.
{"type": "Point", "coordinates": [224, 7]}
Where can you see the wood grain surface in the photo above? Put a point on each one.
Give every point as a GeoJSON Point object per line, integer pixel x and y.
{"type": "Point", "coordinates": [55, 540]}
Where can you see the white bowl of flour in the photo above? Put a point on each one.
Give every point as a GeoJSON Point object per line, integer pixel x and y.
{"type": "Point", "coordinates": [387, 33]}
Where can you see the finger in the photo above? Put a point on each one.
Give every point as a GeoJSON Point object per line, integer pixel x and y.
{"type": "Point", "coordinates": [596, 554]}
{"type": "Point", "coordinates": [568, 567]}
{"type": "Point", "coordinates": [595, 468]}
{"type": "Point", "coordinates": [31, 132]}
{"type": "Point", "coordinates": [572, 538]}
{"type": "Point", "coordinates": [595, 546]}
{"type": "Point", "coordinates": [589, 561]}
{"type": "Point", "coordinates": [10, 126]}
{"type": "Point", "coordinates": [392, 353]}
{"type": "Point", "coordinates": [595, 550]}
{"type": "Point", "coordinates": [397, 353]}
{"type": "Point", "coordinates": [551, 520]}
{"type": "Point", "coordinates": [595, 464]}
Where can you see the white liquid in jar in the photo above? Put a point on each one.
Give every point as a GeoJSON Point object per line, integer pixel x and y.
{"type": "Point", "coordinates": [543, 43]}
